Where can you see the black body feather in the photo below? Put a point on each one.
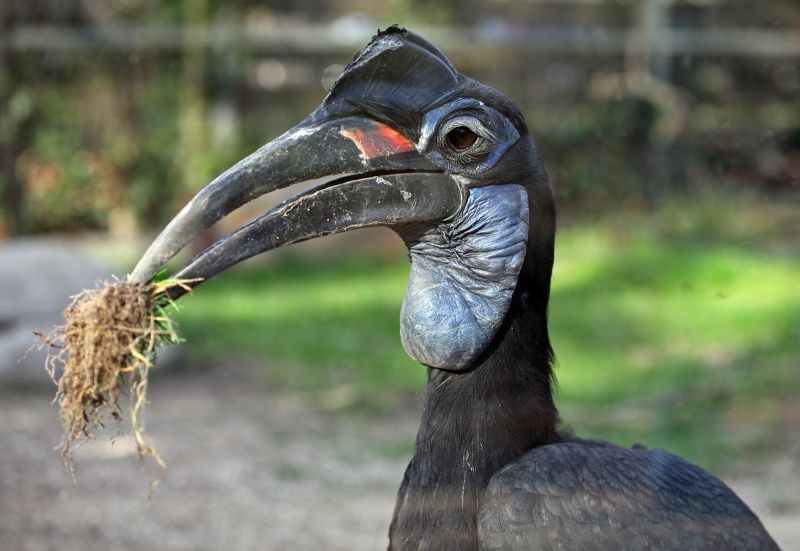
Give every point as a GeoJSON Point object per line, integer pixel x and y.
{"type": "Point", "coordinates": [473, 424]}
{"type": "Point", "coordinates": [492, 471]}
{"type": "Point", "coordinates": [587, 495]}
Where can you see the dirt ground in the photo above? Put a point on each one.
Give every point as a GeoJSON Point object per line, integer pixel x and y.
{"type": "Point", "coordinates": [248, 469]}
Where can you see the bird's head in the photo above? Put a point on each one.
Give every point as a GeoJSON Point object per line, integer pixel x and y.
{"type": "Point", "coordinates": [409, 143]}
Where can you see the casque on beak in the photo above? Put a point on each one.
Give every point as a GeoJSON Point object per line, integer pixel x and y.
{"type": "Point", "coordinates": [377, 178]}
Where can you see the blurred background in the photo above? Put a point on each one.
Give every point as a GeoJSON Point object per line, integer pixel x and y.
{"type": "Point", "coordinates": [671, 133]}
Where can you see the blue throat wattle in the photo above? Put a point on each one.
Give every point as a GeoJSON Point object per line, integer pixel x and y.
{"type": "Point", "coordinates": [463, 275]}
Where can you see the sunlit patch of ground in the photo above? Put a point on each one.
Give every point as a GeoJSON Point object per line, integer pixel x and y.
{"type": "Point", "coordinates": [679, 329]}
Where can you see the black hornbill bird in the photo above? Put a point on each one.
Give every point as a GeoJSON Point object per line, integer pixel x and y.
{"type": "Point", "coordinates": [448, 163]}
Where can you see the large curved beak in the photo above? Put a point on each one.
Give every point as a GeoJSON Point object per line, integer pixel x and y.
{"type": "Point", "coordinates": [378, 178]}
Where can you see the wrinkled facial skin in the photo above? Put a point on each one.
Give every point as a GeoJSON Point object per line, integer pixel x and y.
{"type": "Point", "coordinates": [463, 275]}
{"type": "Point", "coordinates": [493, 132]}
{"type": "Point", "coordinates": [464, 271]}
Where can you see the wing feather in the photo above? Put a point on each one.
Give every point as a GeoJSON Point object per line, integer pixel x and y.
{"type": "Point", "coordinates": [578, 495]}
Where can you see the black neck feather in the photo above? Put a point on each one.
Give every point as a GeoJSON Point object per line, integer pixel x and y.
{"type": "Point", "coordinates": [473, 424]}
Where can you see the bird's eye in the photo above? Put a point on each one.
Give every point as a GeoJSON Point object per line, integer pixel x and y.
{"type": "Point", "coordinates": [461, 137]}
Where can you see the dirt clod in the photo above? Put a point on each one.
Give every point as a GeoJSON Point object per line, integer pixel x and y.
{"type": "Point", "coordinates": [105, 349]}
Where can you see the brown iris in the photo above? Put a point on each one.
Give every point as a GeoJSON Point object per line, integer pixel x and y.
{"type": "Point", "coordinates": [461, 137]}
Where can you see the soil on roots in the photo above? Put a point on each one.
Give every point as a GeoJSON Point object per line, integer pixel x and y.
{"type": "Point", "coordinates": [105, 349]}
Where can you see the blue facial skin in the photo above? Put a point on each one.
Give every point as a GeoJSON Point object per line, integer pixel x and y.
{"type": "Point", "coordinates": [463, 274]}
{"type": "Point", "coordinates": [495, 135]}
{"type": "Point", "coordinates": [464, 271]}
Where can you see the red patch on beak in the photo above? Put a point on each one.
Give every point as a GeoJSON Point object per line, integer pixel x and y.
{"type": "Point", "coordinates": [377, 140]}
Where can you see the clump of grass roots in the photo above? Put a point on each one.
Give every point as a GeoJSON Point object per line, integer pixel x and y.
{"type": "Point", "coordinates": [106, 349]}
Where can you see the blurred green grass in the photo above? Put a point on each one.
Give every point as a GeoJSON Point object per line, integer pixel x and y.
{"type": "Point", "coordinates": [679, 331]}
